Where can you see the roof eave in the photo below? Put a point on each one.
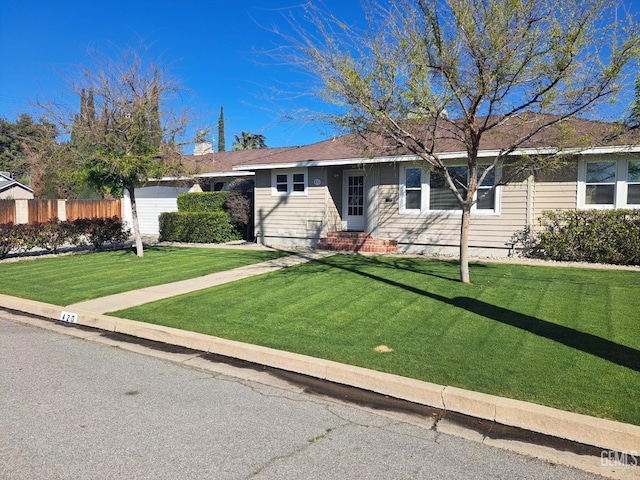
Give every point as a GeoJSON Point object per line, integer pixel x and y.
{"type": "Point", "coordinates": [238, 173]}
{"type": "Point", "coordinates": [235, 173]}
{"type": "Point", "coordinates": [17, 184]}
{"type": "Point", "coordinates": [441, 156]}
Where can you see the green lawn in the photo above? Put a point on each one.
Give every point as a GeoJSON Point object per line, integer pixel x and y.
{"type": "Point", "coordinates": [70, 279]}
{"type": "Point", "coordinates": [564, 337]}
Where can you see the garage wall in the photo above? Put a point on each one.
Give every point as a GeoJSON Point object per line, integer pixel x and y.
{"type": "Point", "coordinates": [151, 202]}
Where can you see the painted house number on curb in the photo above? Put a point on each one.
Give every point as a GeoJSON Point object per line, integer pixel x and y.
{"type": "Point", "coordinates": [69, 317]}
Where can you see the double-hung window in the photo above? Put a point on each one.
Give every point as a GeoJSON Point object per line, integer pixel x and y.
{"type": "Point", "coordinates": [600, 184]}
{"type": "Point", "coordinates": [440, 196]}
{"type": "Point", "coordinates": [442, 199]}
{"type": "Point", "coordinates": [422, 190]}
{"type": "Point", "coordinates": [486, 194]}
{"type": "Point", "coordinates": [609, 183]}
{"type": "Point", "coordinates": [291, 182]}
{"type": "Point", "coordinates": [633, 182]}
{"type": "Point", "coordinates": [412, 187]}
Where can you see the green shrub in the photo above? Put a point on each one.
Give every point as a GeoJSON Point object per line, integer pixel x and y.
{"type": "Point", "coordinates": [202, 202]}
{"type": "Point", "coordinates": [600, 236]}
{"type": "Point", "coordinates": [51, 235]}
{"type": "Point", "coordinates": [98, 231]}
{"type": "Point", "coordinates": [213, 227]}
{"type": "Point", "coordinates": [11, 238]}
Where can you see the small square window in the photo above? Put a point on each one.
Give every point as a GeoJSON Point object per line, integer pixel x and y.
{"type": "Point", "coordinates": [290, 183]}
{"type": "Point", "coordinates": [281, 183]}
{"type": "Point", "coordinates": [298, 182]}
{"type": "Point", "coordinates": [486, 199]}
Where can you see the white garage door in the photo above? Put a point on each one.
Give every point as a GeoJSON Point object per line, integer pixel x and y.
{"type": "Point", "coordinates": [151, 202]}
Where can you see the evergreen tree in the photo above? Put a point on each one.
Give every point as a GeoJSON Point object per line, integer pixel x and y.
{"type": "Point", "coordinates": [90, 108]}
{"type": "Point", "coordinates": [24, 147]}
{"type": "Point", "coordinates": [221, 140]}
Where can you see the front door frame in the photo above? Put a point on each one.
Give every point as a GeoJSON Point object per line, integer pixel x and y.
{"type": "Point", "coordinates": [353, 219]}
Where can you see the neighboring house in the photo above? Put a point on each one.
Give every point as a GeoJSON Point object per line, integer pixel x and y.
{"type": "Point", "coordinates": [12, 189]}
{"type": "Point", "coordinates": [306, 196]}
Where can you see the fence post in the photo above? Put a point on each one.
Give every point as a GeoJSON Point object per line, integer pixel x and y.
{"type": "Point", "coordinates": [62, 210]}
{"type": "Point", "coordinates": [22, 211]}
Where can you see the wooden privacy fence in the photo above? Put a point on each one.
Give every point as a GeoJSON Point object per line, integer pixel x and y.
{"type": "Point", "coordinates": [38, 211]}
{"type": "Point", "coordinates": [42, 210]}
{"type": "Point", "coordinates": [93, 209]}
{"type": "Point", "coordinates": [7, 211]}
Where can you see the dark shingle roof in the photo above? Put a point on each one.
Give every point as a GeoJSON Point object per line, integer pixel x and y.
{"type": "Point", "coordinates": [571, 133]}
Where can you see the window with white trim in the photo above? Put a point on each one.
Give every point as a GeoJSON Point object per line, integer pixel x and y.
{"type": "Point", "coordinates": [290, 182]}
{"type": "Point", "coordinates": [609, 183]}
{"type": "Point", "coordinates": [633, 182]}
{"type": "Point", "coordinates": [440, 197]}
{"type": "Point", "coordinates": [412, 189]}
{"type": "Point", "coordinates": [486, 194]}
{"type": "Point", "coordinates": [600, 183]}
{"type": "Point", "coordinates": [422, 190]}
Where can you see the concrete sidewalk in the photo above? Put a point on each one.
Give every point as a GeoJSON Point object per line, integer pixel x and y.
{"type": "Point", "coordinates": [134, 298]}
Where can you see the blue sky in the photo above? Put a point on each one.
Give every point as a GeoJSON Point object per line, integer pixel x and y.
{"type": "Point", "coordinates": [211, 46]}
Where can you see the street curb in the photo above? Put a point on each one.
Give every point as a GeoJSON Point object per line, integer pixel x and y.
{"type": "Point", "coordinates": [597, 432]}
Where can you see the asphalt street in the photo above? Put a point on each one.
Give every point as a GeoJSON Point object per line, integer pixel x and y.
{"type": "Point", "coordinates": [77, 409]}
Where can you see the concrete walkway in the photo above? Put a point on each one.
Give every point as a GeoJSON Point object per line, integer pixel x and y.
{"type": "Point", "coordinates": [134, 298]}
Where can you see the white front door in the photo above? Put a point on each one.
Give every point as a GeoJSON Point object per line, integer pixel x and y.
{"type": "Point", "coordinates": [353, 203]}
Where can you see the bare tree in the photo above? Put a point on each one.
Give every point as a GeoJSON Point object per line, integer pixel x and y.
{"type": "Point", "coordinates": [429, 72]}
{"type": "Point", "coordinates": [127, 130]}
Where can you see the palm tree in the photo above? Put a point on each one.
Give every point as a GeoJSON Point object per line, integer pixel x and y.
{"type": "Point", "coordinates": [249, 141]}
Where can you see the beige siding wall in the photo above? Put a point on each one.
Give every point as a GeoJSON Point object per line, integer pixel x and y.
{"type": "Point", "coordinates": [302, 220]}
{"type": "Point", "coordinates": [557, 191]}
{"type": "Point", "coordinates": [422, 232]}
{"type": "Point", "coordinates": [554, 196]}
{"type": "Point", "coordinates": [295, 220]}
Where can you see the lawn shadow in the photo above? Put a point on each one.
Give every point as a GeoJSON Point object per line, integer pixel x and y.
{"type": "Point", "coordinates": [585, 342]}
{"type": "Point", "coordinates": [425, 267]}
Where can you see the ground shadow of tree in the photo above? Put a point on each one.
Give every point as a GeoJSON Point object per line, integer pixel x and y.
{"type": "Point", "coordinates": [585, 342]}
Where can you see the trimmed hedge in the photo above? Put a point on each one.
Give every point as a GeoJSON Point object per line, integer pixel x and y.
{"type": "Point", "coordinates": [202, 217]}
{"type": "Point", "coordinates": [202, 227]}
{"type": "Point", "coordinates": [53, 234]}
{"type": "Point", "coordinates": [596, 236]}
{"type": "Point", "coordinates": [197, 202]}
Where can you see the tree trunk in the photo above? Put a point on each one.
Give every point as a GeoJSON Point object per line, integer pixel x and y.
{"type": "Point", "coordinates": [134, 220]}
{"type": "Point", "coordinates": [464, 244]}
